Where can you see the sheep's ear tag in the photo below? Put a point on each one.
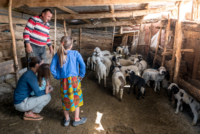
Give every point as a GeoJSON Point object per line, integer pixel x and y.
{"type": "Point", "coordinates": [136, 53]}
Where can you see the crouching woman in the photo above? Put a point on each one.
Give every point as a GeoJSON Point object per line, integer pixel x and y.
{"type": "Point", "coordinates": [28, 82]}
{"type": "Point", "coordinates": [65, 67]}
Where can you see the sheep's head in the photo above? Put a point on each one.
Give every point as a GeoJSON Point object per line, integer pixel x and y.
{"type": "Point", "coordinates": [174, 88]}
{"type": "Point", "coordinates": [127, 72]}
{"type": "Point", "coordinates": [98, 60]}
{"type": "Point", "coordinates": [135, 60]}
{"type": "Point", "coordinates": [97, 50]}
{"type": "Point", "coordinates": [140, 57]}
{"type": "Point", "coordinates": [116, 69]}
{"type": "Point", "coordinates": [162, 70]}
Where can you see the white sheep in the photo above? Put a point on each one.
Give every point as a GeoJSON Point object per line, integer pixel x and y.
{"type": "Point", "coordinates": [182, 96]}
{"type": "Point", "coordinates": [105, 52]}
{"type": "Point", "coordinates": [122, 50]}
{"type": "Point", "coordinates": [141, 64]}
{"type": "Point", "coordinates": [124, 69]}
{"type": "Point", "coordinates": [88, 63]}
{"type": "Point", "coordinates": [122, 62]}
{"type": "Point", "coordinates": [154, 75]}
{"type": "Point", "coordinates": [107, 63]}
{"type": "Point", "coordinates": [93, 61]}
{"type": "Point", "coordinates": [118, 82]}
{"type": "Point", "coordinates": [100, 71]}
{"type": "Point", "coordinates": [130, 57]}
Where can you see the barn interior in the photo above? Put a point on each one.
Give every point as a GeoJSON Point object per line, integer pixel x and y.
{"type": "Point", "coordinates": [166, 33]}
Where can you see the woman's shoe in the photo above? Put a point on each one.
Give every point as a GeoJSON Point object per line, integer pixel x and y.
{"type": "Point", "coordinates": [82, 121]}
{"type": "Point", "coordinates": [32, 116]}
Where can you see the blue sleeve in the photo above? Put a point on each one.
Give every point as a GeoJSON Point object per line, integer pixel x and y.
{"type": "Point", "coordinates": [82, 65]}
{"type": "Point", "coordinates": [33, 83]}
{"type": "Point", "coordinates": [53, 66]}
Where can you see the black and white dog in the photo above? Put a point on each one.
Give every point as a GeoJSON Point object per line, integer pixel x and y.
{"type": "Point", "coordinates": [182, 96]}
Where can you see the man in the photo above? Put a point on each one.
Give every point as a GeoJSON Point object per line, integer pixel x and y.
{"type": "Point", "coordinates": [36, 35]}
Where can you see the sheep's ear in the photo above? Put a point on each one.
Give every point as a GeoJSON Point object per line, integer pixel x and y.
{"type": "Point", "coordinates": [113, 58]}
{"type": "Point", "coordinates": [126, 71]}
{"type": "Point", "coordinates": [119, 67]}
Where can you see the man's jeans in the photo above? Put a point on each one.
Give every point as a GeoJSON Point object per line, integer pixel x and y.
{"type": "Point", "coordinates": [37, 52]}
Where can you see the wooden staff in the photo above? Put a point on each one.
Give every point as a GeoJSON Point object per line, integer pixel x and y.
{"type": "Point", "coordinates": [113, 37]}
{"type": "Point", "coordinates": [166, 40]}
{"type": "Point", "coordinates": [16, 66]}
{"type": "Point", "coordinates": [55, 32]}
{"type": "Point", "coordinates": [158, 42]}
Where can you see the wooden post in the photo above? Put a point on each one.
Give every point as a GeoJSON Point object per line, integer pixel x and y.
{"type": "Point", "coordinates": [55, 32]}
{"type": "Point", "coordinates": [69, 31]}
{"type": "Point", "coordinates": [113, 39]}
{"type": "Point", "coordinates": [178, 40]}
{"type": "Point", "coordinates": [80, 36]}
{"type": "Point", "coordinates": [194, 14]}
{"type": "Point", "coordinates": [166, 39]}
{"type": "Point", "coordinates": [158, 42]}
{"type": "Point", "coordinates": [149, 43]}
{"type": "Point", "coordinates": [124, 39]}
{"type": "Point", "coordinates": [196, 61]}
{"type": "Point", "coordinates": [138, 37]}
{"type": "Point", "coordinates": [64, 24]}
{"type": "Point", "coordinates": [16, 66]}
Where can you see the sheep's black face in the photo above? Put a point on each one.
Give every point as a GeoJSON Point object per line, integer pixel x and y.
{"type": "Point", "coordinates": [132, 73]}
{"type": "Point", "coordinates": [163, 72]}
{"type": "Point", "coordinates": [175, 89]}
{"type": "Point", "coordinates": [114, 58]}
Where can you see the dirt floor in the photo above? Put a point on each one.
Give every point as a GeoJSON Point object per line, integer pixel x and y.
{"type": "Point", "coordinates": [152, 115]}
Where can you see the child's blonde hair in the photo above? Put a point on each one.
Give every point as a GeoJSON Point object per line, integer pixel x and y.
{"type": "Point", "coordinates": [66, 42]}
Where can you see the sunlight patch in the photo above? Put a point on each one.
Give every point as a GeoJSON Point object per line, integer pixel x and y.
{"type": "Point", "coordinates": [98, 121]}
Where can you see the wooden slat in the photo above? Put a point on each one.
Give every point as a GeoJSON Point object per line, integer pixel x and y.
{"type": "Point", "coordinates": [71, 12]}
{"type": "Point", "coordinates": [116, 14]}
{"type": "Point", "coordinates": [109, 24]}
{"type": "Point", "coordinates": [4, 19]}
{"type": "Point", "coordinates": [53, 3]}
{"type": "Point", "coordinates": [112, 10]}
{"type": "Point", "coordinates": [196, 61]}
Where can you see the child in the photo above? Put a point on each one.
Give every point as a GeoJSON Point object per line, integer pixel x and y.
{"type": "Point", "coordinates": [43, 79]}
{"type": "Point", "coordinates": [65, 66]}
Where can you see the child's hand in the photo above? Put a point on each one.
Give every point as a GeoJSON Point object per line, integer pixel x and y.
{"type": "Point", "coordinates": [80, 78]}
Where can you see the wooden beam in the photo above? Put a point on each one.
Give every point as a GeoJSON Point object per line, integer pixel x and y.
{"type": "Point", "coordinates": [158, 42]}
{"type": "Point", "coordinates": [113, 39]}
{"type": "Point", "coordinates": [166, 39]}
{"type": "Point", "coordinates": [72, 12]}
{"type": "Point", "coordinates": [109, 24]}
{"type": "Point", "coordinates": [55, 28]}
{"type": "Point", "coordinates": [64, 25]}
{"type": "Point", "coordinates": [178, 43]}
{"type": "Point", "coordinates": [27, 11]}
{"type": "Point", "coordinates": [116, 14]}
{"type": "Point", "coordinates": [193, 91]}
{"type": "Point", "coordinates": [4, 19]}
{"type": "Point", "coordinates": [147, 47]}
{"type": "Point", "coordinates": [112, 10]}
{"type": "Point", "coordinates": [16, 66]}
{"type": "Point", "coordinates": [53, 3]}
{"type": "Point", "coordinates": [196, 61]}
{"type": "Point", "coordinates": [138, 38]}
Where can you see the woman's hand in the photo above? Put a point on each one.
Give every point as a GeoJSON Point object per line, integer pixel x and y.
{"type": "Point", "coordinates": [49, 88]}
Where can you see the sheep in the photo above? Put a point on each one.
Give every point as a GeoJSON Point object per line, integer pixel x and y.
{"type": "Point", "coordinates": [130, 57]}
{"type": "Point", "coordinates": [141, 64]}
{"type": "Point", "coordinates": [122, 62]}
{"type": "Point", "coordinates": [123, 69]}
{"type": "Point", "coordinates": [100, 71]}
{"type": "Point", "coordinates": [182, 96]}
{"type": "Point", "coordinates": [88, 63]}
{"type": "Point", "coordinates": [93, 61]}
{"type": "Point", "coordinates": [122, 50]}
{"type": "Point", "coordinates": [136, 81]}
{"type": "Point", "coordinates": [118, 82]}
{"type": "Point", "coordinates": [105, 52]}
{"type": "Point", "coordinates": [107, 63]}
{"type": "Point", "coordinates": [155, 75]}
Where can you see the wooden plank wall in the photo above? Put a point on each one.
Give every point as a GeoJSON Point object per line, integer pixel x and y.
{"type": "Point", "coordinates": [90, 39]}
